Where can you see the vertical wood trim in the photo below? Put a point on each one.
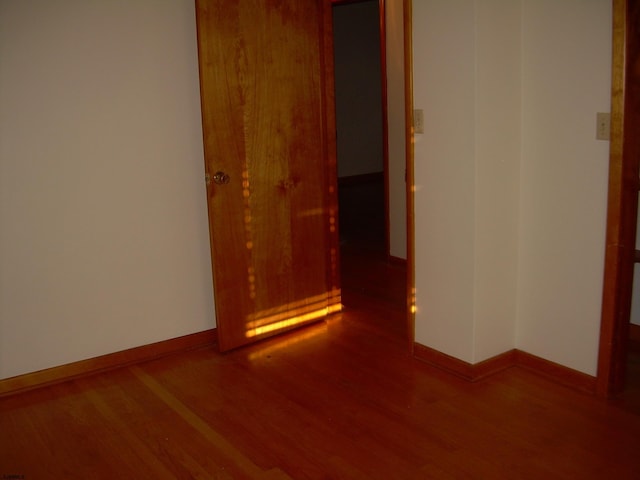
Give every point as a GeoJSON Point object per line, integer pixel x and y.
{"type": "Point", "coordinates": [207, 171]}
{"type": "Point", "coordinates": [330, 155]}
{"type": "Point", "coordinates": [614, 298]}
{"type": "Point", "coordinates": [410, 176]}
{"type": "Point", "coordinates": [382, 9]}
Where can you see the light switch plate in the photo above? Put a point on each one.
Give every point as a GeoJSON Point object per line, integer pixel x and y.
{"type": "Point", "coordinates": [418, 121]}
{"type": "Point", "coordinates": [603, 126]}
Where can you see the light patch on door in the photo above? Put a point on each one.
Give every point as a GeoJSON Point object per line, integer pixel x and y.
{"type": "Point", "coordinates": [290, 315]}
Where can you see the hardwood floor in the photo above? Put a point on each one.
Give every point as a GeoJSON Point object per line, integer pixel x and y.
{"type": "Point", "coordinates": [340, 399]}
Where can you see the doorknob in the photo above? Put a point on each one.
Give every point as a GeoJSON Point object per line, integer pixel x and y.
{"type": "Point", "coordinates": [221, 178]}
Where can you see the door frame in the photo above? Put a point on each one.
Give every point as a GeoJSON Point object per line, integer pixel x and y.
{"type": "Point", "coordinates": [409, 151]}
{"type": "Point", "coordinates": [407, 8]}
{"type": "Point", "coordinates": [622, 205]}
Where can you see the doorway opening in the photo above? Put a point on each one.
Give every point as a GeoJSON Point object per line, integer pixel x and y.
{"type": "Point", "coordinates": [368, 270]}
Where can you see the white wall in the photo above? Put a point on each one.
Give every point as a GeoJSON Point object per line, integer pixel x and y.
{"type": "Point", "coordinates": [444, 86]}
{"type": "Point", "coordinates": [511, 183]}
{"type": "Point", "coordinates": [394, 19]}
{"type": "Point", "coordinates": [497, 156]}
{"type": "Point", "coordinates": [566, 80]}
{"type": "Point", "coordinates": [104, 237]}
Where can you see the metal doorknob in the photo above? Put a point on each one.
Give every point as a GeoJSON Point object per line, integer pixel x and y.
{"type": "Point", "coordinates": [221, 178]}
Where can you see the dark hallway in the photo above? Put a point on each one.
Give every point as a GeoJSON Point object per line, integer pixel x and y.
{"type": "Point", "coordinates": [367, 274]}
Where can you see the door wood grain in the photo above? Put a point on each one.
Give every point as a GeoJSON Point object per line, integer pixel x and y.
{"type": "Point", "coordinates": [269, 126]}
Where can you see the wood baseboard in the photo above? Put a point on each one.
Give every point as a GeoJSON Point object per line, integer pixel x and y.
{"type": "Point", "coordinates": [360, 179]}
{"type": "Point", "coordinates": [401, 262]}
{"type": "Point", "coordinates": [103, 363]}
{"type": "Point", "coordinates": [558, 373]}
{"type": "Point", "coordinates": [512, 358]}
{"type": "Point", "coordinates": [462, 369]}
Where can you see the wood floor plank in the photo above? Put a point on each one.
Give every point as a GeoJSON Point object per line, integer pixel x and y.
{"type": "Point", "coordinates": [141, 452]}
{"type": "Point", "coordinates": [243, 463]}
{"type": "Point", "coordinates": [168, 439]}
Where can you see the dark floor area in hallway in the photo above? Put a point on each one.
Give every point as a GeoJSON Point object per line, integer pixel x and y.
{"type": "Point", "coordinates": [367, 274]}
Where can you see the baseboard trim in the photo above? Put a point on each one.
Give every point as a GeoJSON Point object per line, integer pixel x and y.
{"type": "Point", "coordinates": [470, 372]}
{"type": "Point", "coordinates": [82, 368]}
{"type": "Point", "coordinates": [462, 369]}
{"type": "Point", "coordinates": [556, 372]}
{"type": "Point", "coordinates": [360, 179]}
{"type": "Point", "coordinates": [401, 262]}
{"type": "Point", "coordinates": [512, 358]}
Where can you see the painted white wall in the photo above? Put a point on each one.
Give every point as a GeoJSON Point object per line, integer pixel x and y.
{"type": "Point", "coordinates": [394, 18]}
{"type": "Point", "coordinates": [566, 80]}
{"type": "Point", "coordinates": [511, 183]}
{"type": "Point", "coordinates": [467, 175]}
{"type": "Point", "coordinates": [104, 236]}
{"type": "Point", "coordinates": [445, 173]}
{"type": "Point", "coordinates": [497, 156]}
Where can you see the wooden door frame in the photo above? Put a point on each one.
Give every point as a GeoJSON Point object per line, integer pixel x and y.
{"type": "Point", "coordinates": [622, 206]}
{"type": "Point", "coordinates": [407, 7]}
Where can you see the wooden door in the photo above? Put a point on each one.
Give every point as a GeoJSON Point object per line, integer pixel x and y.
{"type": "Point", "coordinates": [267, 109]}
